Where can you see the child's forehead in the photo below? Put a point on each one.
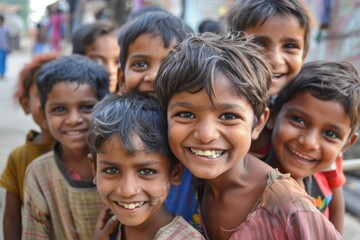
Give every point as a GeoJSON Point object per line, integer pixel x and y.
{"type": "Point", "coordinates": [273, 20]}
{"type": "Point", "coordinates": [71, 88]}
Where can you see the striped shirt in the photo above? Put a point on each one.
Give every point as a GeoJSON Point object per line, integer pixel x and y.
{"type": "Point", "coordinates": [56, 206]}
{"type": "Point", "coordinates": [177, 229]}
{"type": "Point", "coordinates": [284, 211]}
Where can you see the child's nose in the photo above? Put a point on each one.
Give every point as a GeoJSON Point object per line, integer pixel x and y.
{"type": "Point", "coordinates": [206, 131]}
{"type": "Point", "coordinates": [128, 187]}
{"type": "Point", "coordinates": [276, 58]}
{"type": "Point", "coordinates": [310, 140]}
{"type": "Point", "coordinates": [151, 75]}
{"type": "Point", "coordinates": [74, 117]}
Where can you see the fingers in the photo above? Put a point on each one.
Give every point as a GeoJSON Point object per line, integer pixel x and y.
{"type": "Point", "coordinates": [105, 225]}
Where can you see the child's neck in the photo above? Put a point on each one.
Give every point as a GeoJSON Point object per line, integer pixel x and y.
{"type": "Point", "coordinates": [77, 161]}
{"type": "Point", "coordinates": [148, 229]}
{"type": "Point", "coordinates": [44, 137]}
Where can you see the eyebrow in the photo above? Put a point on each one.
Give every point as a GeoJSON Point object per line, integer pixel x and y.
{"type": "Point", "coordinates": [217, 106]}
{"type": "Point", "coordinates": [138, 55]}
{"type": "Point", "coordinates": [287, 39]}
{"type": "Point", "coordinates": [147, 163]}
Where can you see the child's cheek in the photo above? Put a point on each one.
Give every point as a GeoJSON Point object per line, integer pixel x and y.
{"type": "Point", "coordinates": [159, 196]}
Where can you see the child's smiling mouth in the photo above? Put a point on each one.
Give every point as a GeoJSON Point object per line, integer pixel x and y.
{"type": "Point", "coordinates": [131, 205]}
{"type": "Point", "coordinates": [207, 153]}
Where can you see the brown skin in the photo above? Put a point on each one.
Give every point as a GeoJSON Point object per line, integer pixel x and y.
{"type": "Point", "coordinates": [105, 225]}
{"type": "Point", "coordinates": [12, 216]}
{"type": "Point", "coordinates": [247, 186]}
{"type": "Point", "coordinates": [337, 209]}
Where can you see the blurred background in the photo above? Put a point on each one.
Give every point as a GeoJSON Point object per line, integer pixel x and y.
{"type": "Point", "coordinates": [336, 37]}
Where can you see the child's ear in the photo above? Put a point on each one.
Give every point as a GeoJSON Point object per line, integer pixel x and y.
{"type": "Point", "coordinates": [24, 102]}
{"type": "Point", "coordinates": [305, 54]}
{"type": "Point", "coordinates": [350, 142]}
{"type": "Point", "coordinates": [92, 164]}
{"type": "Point", "coordinates": [176, 174]}
{"type": "Point", "coordinates": [121, 81]}
{"type": "Point", "coordinates": [260, 124]}
{"type": "Point", "coordinates": [44, 124]}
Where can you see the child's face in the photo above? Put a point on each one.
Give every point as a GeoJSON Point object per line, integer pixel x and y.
{"type": "Point", "coordinates": [31, 104]}
{"type": "Point", "coordinates": [105, 51]}
{"type": "Point", "coordinates": [68, 113]}
{"type": "Point", "coordinates": [211, 138]}
{"type": "Point", "coordinates": [133, 186]}
{"type": "Point", "coordinates": [283, 41]}
{"type": "Point", "coordinates": [309, 134]}
{"type": "Point", "coordinates": [144, 58]}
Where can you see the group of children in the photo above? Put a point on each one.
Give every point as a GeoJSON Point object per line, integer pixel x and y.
{"type": "Point", "coordinates": [170, 147]}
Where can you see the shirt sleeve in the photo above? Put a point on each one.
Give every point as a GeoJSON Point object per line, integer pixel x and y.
{"type": "Point", "coordinates": [336, 178]}
{"type": "Point", "coordinates": [311, 225]}
{"type": "Point", "coordinates": [36, 219]}
{"type": "Point", "coordinates": [9, 177]}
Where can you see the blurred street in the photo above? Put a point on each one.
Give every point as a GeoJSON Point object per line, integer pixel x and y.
{"type": "Point", "coordinates": [14, 125]}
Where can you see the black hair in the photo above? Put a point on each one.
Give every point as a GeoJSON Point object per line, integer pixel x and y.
{"type": "Point", "coordinates": [86, 35]}
{"type": "Point", "coordinates": [196, 63]}
{"type": "Point", "coordinates": [252, 13]}
{"type": "Point", "coordinates": [145, 9]}
{"type": "Point", "coordinates": [213, 26]}
{"type": "Point", "coordinates": [75, 68]}
{"type": "Point", "coordinates": [124, 116]}
{"type": "Point", "coordinates": [157, 23]}
{"type": "Point", "coordinates": [326, 80]}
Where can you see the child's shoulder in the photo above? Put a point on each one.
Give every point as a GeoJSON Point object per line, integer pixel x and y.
{"type": "Point", "coordinates": [178, 228]}
{"type": "Point", "coordinates": [30, 150]}
{"type": "Point", "coordinates": [43, 163]}
{"type": "Point", "coordinates": [283, 192]}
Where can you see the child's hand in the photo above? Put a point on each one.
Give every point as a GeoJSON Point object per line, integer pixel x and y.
{"type": "Point", "coordinates": [105, 225]}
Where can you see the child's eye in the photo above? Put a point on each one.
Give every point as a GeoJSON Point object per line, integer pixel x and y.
{"type": "Point", "coordinates": [291, 46]}
{"type": "Point", "coordinates": [140, 65]}
{"type": "Point", "coordinates": [147, 172]}
{"type": "Point", "coordinates": [99, 61]}
{"type": "Point", "coordinates": [229, 116]}
{"type": "Point", "coordinates": [185, 115]}
{"type": "Point", "coordinates": [87, 108]}
{"type": "Point", "coordinates": [297, 120]}
{"type": "Point", "coordinates": [58, 110]}
{"type": "Point", "coordinates": [111, 170]}
{"type": "Point", "coordinates": [331, 134]}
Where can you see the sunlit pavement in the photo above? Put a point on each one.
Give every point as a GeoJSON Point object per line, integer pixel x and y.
{"type": "Point", "coordinates": [14, 125]}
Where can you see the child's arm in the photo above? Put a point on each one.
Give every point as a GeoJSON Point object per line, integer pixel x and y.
{"type": "Point", "coordinates": [311, 225]}
{"type": "Point", "coordinates": [106, 224]}
{"type": "Point", "coordinates": [12, 216]}
{"type": "Point", "coordinates": [337, 209]}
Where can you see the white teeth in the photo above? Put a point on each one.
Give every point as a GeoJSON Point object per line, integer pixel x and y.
{"type": "Point", "coordinates": [72, 133]}
{"type": "Point", "coordinates": [131, 205]}
{"type": "Point", "coordinates": [277, 75]}
{"type": "Point", "coordinates": [207, 153]}
{"type": "Point", "coordinates": [302, 156]}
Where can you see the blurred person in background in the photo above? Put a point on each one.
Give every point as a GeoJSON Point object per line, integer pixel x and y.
{"type": "Point", "coordinates": [4, 45]}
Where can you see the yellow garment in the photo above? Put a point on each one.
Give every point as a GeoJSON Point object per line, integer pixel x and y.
{"type": "Point", "coordinates": [12, 179]}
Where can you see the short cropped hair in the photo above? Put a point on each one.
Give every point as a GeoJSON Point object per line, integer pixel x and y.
{"type": "Point", "coordinates": [196, 63]}
{"type": "Point", "coordinates": [27, 75]}
{"type": "Point", "coordinates": [74, 68]}
{"type": "Point", "coordinates": [209, 25]}
{"type": "Point", "coordinates": [128, 115]}
{"type": "Point", "coordinates": [327, 80]}
{"type": "Point", "coordinates": [251, 13]}
{"type": "Point", "coordinates": [156, 23]}
{"type": "Point", "coordinates": [87, 34]}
